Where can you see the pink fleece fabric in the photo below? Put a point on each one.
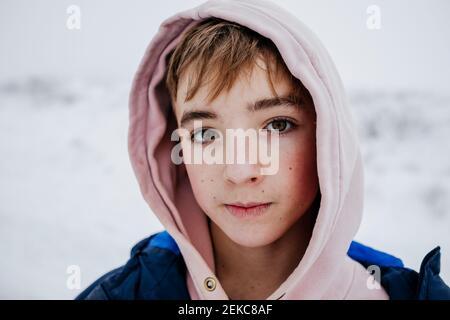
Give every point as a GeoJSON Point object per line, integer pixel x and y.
{"type": "Point", "coordinates": [325, 272]}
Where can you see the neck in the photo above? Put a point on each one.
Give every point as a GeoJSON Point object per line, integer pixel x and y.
{"type": "Point", "coordinates": [255, 273]}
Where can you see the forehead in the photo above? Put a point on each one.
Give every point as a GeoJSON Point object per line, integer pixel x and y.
{"type": "Point", "coordinates": [248, 87]}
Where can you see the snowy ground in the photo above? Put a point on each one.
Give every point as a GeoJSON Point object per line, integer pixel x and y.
{"type": "Point", "coordinates": [68, 195]}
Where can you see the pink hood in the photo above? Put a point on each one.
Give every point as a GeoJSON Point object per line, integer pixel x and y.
{"type": "Point", "coordinates": [325, 272]}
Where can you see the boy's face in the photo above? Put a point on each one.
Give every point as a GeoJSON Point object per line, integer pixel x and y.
{"type": "Point", "coordinates": [290, 192]}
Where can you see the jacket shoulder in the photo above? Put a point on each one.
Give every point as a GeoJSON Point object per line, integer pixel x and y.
{"type": "Point", "coordinates": [431, 286]}
{"type": "Point", "coordinates": [400, 282]}
{"type": "Point", "coordinates": [155, 270]}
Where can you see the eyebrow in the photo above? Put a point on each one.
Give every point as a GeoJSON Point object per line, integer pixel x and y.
{"type": "Point", "coordinates": [262, 104]}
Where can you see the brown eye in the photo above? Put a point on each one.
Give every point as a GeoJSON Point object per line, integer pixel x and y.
{"type": "Point", "coordinates": [204, 135]}
{"type": "Point", "coordinates": [279, 125]}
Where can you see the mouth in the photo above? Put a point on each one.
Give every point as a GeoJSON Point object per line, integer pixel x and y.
{"type": "Point", "coordinates": [250, 209]}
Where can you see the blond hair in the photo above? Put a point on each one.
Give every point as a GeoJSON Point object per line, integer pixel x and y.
{"type": "Point", "coordinates": [218, 51]}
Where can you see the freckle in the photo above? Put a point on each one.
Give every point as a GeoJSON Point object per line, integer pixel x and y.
{"type": "Point", "coordinates": [214, 197]}
{"type": "Point", "coordinates": [262, 191]}
{"type": "Point", "coordinates": [212, 180]}
{"type": "Point", "coordinates": [290, 168]}
{"type": "Point", "coordinates": [203, 180]}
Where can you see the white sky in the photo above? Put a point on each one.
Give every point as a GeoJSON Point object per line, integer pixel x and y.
{"type": "Point", "coordinates": [411, 50]}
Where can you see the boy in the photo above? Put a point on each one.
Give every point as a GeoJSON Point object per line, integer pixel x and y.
{"type": "Point", "coordinates": [231, 231]}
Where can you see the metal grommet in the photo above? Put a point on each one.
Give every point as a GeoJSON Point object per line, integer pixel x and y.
{"type": "Point", "coordinates": [210, 284]}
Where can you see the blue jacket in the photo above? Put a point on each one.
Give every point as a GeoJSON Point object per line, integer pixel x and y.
{"type": "Point", "coordinates": [156, 270]}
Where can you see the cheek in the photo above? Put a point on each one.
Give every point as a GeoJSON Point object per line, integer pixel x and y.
{"type": "Point", "coordinates": [204, 182]}
{"type": "Point", "coordinates": [298, 168]}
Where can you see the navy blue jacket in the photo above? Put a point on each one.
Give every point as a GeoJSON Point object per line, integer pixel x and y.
{"type": "Point", "coordinates": [156, 270]}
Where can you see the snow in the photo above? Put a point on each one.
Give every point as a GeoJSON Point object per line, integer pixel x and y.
{"type": "Point", "coordinates": [69, 197]}
{"type": "Point", "coordinates": [404, 138]}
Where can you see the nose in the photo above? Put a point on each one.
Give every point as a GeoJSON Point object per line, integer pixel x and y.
{"type": "Point", "coordinates": [243, 151]}
{"type": "Point", "coordinates": [243, 173]}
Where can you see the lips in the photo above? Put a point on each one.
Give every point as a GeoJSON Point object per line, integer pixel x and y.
{"type": "Point", "coordinates": [249, 209]}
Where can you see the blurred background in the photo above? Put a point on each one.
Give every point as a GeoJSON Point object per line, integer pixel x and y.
{"type": "Point", "coordinates": [68, 195]}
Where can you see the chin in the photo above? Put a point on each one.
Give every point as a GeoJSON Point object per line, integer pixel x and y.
{"type": "Point", "coordinates": [253, 238]}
